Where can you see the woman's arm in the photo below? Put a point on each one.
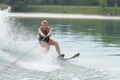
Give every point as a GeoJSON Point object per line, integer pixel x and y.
{"type": "Point", "coordinates": [49, 33]}
{"type": "Point", "coordinates": [40, 32]}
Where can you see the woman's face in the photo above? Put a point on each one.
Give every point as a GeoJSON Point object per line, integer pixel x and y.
{"type": "Point", "coordinates": [44, 24]}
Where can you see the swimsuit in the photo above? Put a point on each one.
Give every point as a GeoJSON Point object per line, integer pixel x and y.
{"type": "Point", "coordinates": [45, 31]}
{"type": "Point", "coordinates": [43, 39]}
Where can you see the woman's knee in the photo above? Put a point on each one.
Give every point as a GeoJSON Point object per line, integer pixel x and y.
{"type": "Point", "coordinates": [45, 45]}
{"type": "Point", "coordinates": [48, 46]}
{"type": "Point", "coordinates": [55, 43]}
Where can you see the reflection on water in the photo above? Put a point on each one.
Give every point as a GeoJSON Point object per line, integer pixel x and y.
{"type": "Point", "coordinates": [91, 37]}
{"type": "Point", "coordinates": [107, 32]}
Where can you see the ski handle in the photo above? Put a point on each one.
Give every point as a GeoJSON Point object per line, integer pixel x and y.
{"type": "Point", "coordinates": [45, 37]}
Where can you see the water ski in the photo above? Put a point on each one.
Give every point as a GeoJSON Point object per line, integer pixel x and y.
{"type": "Point", "coordinates": [61, 57]}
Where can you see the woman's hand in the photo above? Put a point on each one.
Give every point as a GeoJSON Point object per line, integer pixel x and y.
{"type": "Point", "coordinates": [48, 35]}
{"type": "Point", "coordinates": [43, 35]}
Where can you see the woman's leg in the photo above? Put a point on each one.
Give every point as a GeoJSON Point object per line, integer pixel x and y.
{"type": "Point", "coordinates": [55, 43]}
{"type": "Point", "coordinates": [45, 45]}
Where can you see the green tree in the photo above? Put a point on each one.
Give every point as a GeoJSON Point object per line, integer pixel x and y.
{"type": "Point", "coordinates": [34, 2]}
{"type": "Point", "coordinates": [115, 7]}
{"type": "Point", "coordinates": [103, 6]}
{"type": "Point", "coordinates": [88, 2]}
{"type": "Point", "coordinates": [4, 1]}
{"type": "Point", "coordinates": [19, 5]}
{"type": "Point", "coordinates": [118, 3]}
{"type": "Point", "coordinates": [110, 2]}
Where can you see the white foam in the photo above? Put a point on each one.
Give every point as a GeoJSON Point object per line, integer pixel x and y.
{"type": "Point", "coordinates": [28, 79]}
{"type": "Point", "coordinates": [76, 79]}
{"type": "Point", "coordinates": [45, 63]}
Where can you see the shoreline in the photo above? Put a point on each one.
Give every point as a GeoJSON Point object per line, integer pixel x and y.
{"type": "Point", "coordinates": [62, 16]}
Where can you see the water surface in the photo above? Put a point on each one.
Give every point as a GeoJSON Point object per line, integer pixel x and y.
{"type": "Point", "coordinates": [98, 41]}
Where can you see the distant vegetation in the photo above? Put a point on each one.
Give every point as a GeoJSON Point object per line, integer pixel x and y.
{"type": "Point", "coordinates": [63, 9]}
{"type": "Point", "coordinates": [72, 9]}
{"type": "Point", "coordinates": [25, 5]}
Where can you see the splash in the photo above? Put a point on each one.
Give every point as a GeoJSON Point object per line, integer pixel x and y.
{"type": "Point", "coordinates": [45, 63]}
{"type": "Point", "coordinates": [25, 53]}
{"type": "Point", "coordinates": [4, 26]}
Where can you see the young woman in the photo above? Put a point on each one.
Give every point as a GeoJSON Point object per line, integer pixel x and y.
{"type": "Point", "coordinates": [44, 37]}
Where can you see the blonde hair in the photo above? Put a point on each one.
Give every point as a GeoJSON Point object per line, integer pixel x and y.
{"type": "Point", "coordinates": [44, 21]}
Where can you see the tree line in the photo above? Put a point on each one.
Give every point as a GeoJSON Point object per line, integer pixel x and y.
{"type": "Point", "coordinates": [20, 4]}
